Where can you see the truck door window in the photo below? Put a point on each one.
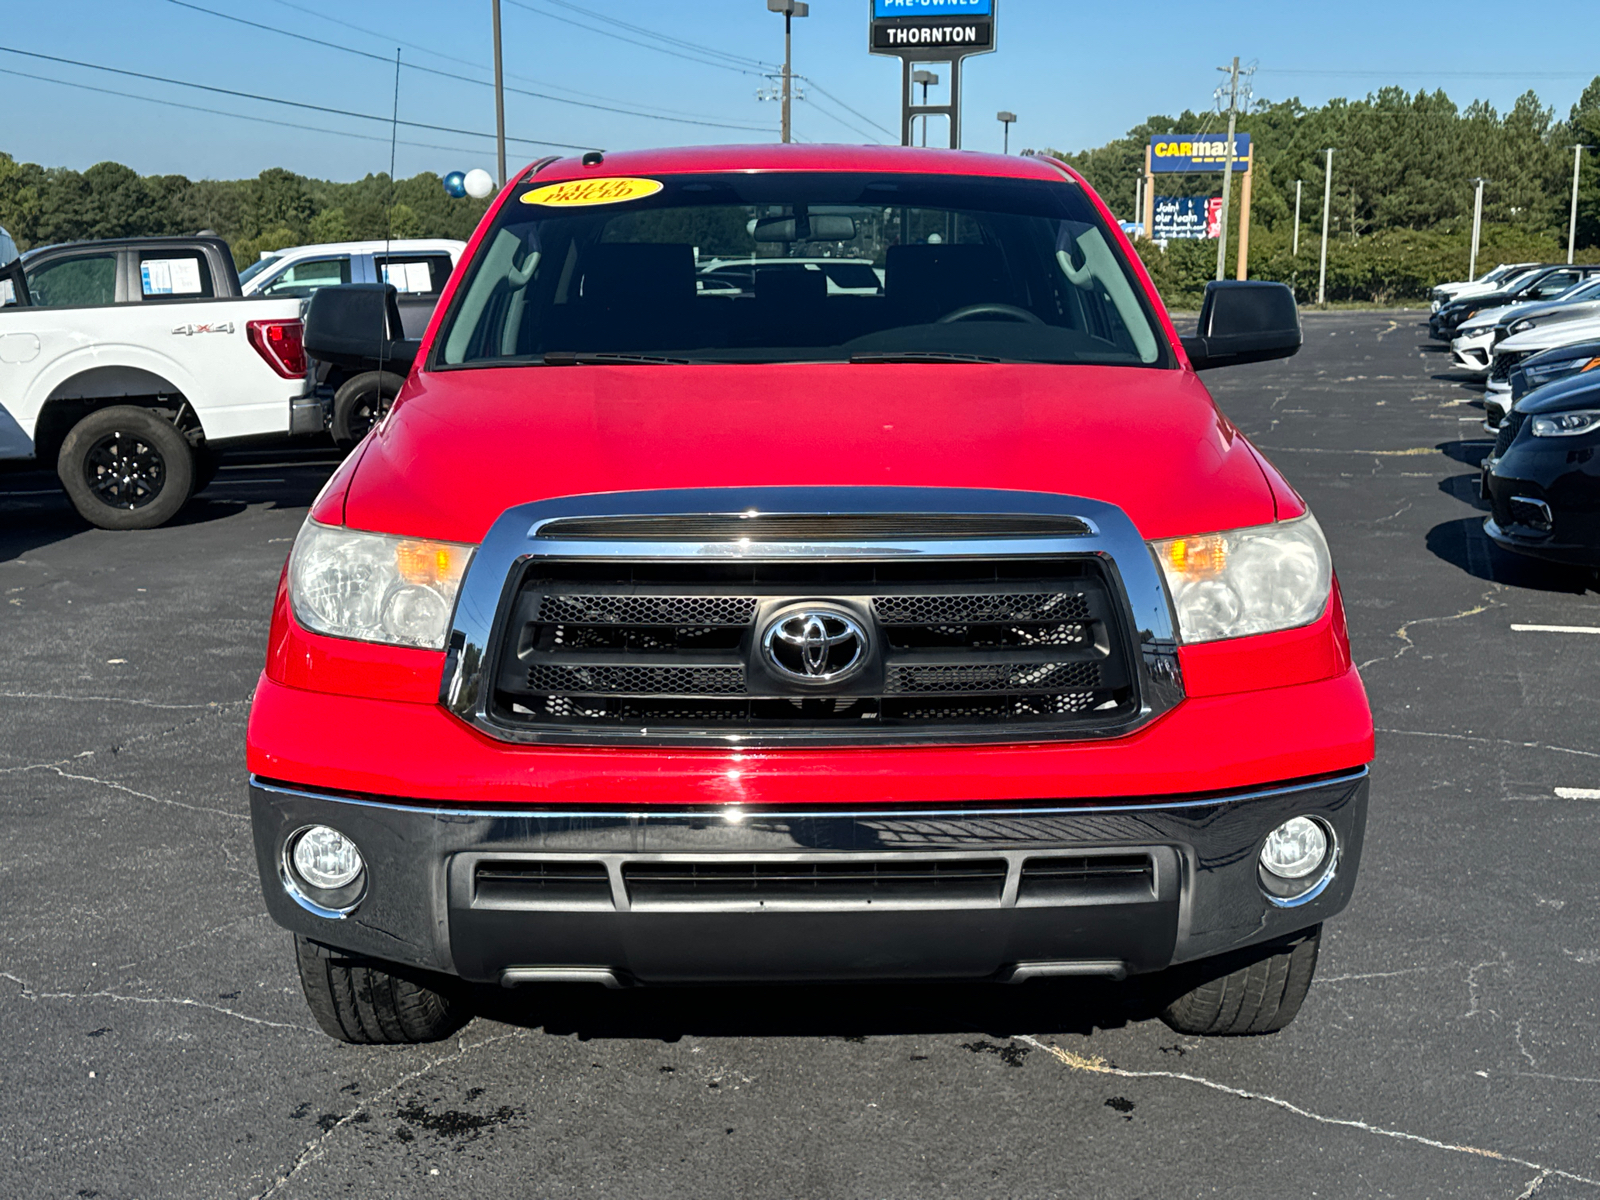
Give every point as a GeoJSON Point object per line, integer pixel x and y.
{"type": "Point", "coordinates": [303, 278]}
{"type": "Point", "coordinates": [174, 275]}
{"type": "Point", "coordinates": [415, 274]}
{"type": "Point", "coordinates": [83, 279]}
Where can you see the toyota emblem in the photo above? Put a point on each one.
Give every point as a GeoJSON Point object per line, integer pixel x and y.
{"type": "Point", "coordinates": [815, 645]}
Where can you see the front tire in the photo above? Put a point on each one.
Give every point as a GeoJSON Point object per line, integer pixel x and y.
{"type": "Point", "coordinates": [126, 468]}
{"type": "Point", "coordinates": [364, 1001]}
{"type": "Point", "coordinates": [1234, 999]}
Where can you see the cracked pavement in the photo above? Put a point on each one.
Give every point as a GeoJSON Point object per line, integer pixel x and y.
{"type": "Point", "coordinates": [154, 1043]}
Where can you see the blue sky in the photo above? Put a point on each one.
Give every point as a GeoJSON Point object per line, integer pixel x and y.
{"type": "Point", "coordinates": [1076, 74]}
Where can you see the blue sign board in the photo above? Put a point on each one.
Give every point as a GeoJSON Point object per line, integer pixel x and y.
{"type": "Point", "coordinates": [931, 8]}
{"type": "Point", "coordinates": [1175, 152]}
{"type": "Point", "coordinates": [1186, 217]}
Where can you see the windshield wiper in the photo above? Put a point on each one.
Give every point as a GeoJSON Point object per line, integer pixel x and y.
{"type": "Point", "coordinates": [579, 358]}
{"type": "Point", "coordinates": [916, 356]}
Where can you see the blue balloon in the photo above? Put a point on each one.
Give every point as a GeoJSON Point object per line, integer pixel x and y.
{"type": "Point", "coordinates": [455, 184]}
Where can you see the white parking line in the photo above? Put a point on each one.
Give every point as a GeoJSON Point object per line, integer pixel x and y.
{"type": "Point", "coordinates": [1578, 793]}
{"type": "Point", "coordinates": [1555, 629]}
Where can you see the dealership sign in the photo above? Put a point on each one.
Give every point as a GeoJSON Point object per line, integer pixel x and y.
{"type": "Point", "coordinates": [933, 28]}
{"type": "Point", "coordinates": [1187, 217]}
{"type": "Point", "coordinates": [1175, 152]}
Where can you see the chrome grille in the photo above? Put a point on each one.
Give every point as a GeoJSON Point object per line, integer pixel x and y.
{"type": "Point", "coordinates": [660, 647]}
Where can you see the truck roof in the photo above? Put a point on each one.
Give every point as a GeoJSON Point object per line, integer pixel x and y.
{"type": "Point", "coordinates": [777, 157]}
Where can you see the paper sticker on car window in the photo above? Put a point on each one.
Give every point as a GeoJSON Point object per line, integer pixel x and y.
{"type": "Point", "coordinates": [580, 193]}
{"type": "Point", "coordinates": [170, 276]}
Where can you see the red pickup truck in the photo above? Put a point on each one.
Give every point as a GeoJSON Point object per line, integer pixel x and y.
{"type": "Point", "coordinates": [918, 620]}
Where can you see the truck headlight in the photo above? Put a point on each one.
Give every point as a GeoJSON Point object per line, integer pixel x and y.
{"type": "Point", "coordinates": [373, 587]}
{"type": "Point", "coordinates": [1247, 581]}
{"type": "Point", "coordinates": [1567, 424]}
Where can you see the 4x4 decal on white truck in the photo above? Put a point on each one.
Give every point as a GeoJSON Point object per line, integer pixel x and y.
{"type": "Point", "coordinates": [213, 327]}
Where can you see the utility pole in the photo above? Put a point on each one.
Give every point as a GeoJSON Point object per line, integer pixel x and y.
{"type": "Point", "coordinates": [925, 78]}
{"type": "Point", "coordinates": [1327, 199]}
{"type": "Point", "coordinates": [1008, 118]}
{"type": "Point", "coordinates": [790, 10]}
{"type": "Point", "coordinates": [1227, 169]}
{"type": "Point", "coordinates": [1296, 251]}
{"type": "Point", "coordinates": [1572, 224]}
{"type": "Point", "coordinates": [499, 101]}
{"type": "Point", "coordinates": [1477, 227]}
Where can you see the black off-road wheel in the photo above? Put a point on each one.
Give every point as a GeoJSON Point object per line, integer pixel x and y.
{"type": "Point", "coordinates": [361, 402]}
{"type": "Point", "coordinates": [126, 468]}
{"type": "Point", "coordinates": [372, 1003]}
{"type": "Point", "coordinates": [1234, 997]}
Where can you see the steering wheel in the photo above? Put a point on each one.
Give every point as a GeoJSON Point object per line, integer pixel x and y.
{"type": "Point", "coordinates": [991, 309]}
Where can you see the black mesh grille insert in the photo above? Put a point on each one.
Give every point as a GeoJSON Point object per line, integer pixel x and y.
{"type": "Point", "coordinates": [969, 609]}
{"type": "Point", "coordinates": [1504, 361]}
{"type": "Point", "coordinates": [994, 677]}
{"type": "Point", "coordinates": [608, 681]}
{"type": "Point", "coordinates": [665, 648]}
{"type": "Point", "coordinates": [1508, 432]}
{"type": "Point", "coordinates": [579, 609]}
{"type": "Point", "coordinates": [822, 883]}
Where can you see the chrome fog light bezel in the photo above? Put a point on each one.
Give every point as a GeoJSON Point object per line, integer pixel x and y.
{"type": "Point", "coordinates": [328, 903]}
{"type": "Point", "coordinates": [1282, 892]}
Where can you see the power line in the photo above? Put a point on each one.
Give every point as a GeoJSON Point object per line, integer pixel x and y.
{"type": "Point", "coordinates": [213, 112]}
{"type": "Point", "coordinates": [660, 49]}
{"type": "Point", "coordinates": [742, 59]}
{"type": "Point", "coordinates": [684, 119]}
{"type": "Point", "coordinates": [871, 137]}
{"type": "Point", "coordinates": [221, 91]}
{"type": "Point", "coordinates": [846, 107]}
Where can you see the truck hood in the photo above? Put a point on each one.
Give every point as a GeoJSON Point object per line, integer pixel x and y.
{"type": "Point", "coordinates": [460, 447]}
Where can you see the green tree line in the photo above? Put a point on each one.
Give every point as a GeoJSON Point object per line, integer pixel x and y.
{"type": "Point", "coordinates": [43, 205]}
{"type": "Point", "coordinates": [1400, 217]}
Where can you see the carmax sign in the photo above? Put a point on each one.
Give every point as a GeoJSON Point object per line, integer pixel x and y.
{"type": "Point", "coordinates": [1174, 152]}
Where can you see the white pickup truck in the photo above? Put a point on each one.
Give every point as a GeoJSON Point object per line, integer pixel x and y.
{"type": "Point", "coordinates": [128, 363]}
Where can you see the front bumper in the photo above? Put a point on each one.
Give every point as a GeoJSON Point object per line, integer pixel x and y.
{"type": "Point", "coordinates": [594, 914]}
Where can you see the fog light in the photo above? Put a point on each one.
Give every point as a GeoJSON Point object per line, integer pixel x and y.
{"type": "Point", "coordinates": [325, 858]}
{"type": "Point", "coordinates": [1295, 849]}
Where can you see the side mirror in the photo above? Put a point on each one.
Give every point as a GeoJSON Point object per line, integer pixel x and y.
{"type": "Point", "coordinates": [1244, 321]}
{"type": "Point", "coordinates": [357, 325]}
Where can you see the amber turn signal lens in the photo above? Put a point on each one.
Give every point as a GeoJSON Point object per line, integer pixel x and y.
{"type": "Point", "coordinates": [1198, 557]}
{"type": "Point", "coordinates": [1589, 366]}
{"type": "Point", "coordinates": [427, 562]}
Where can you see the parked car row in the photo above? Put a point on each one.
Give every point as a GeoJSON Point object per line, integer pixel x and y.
{"type": "Point", "coordinates": [130, 364]}
{"type": "Point", "coordinates": [1538, 348]}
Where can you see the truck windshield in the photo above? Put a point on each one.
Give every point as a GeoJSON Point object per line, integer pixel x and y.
{"type": "Point", "coordinates": [813, 267]}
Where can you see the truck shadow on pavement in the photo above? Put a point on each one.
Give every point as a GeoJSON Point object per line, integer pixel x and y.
{"type": "Point", "coordinates": [667, 1014]}
{"type": "Point", "coordinates": [35, 511]}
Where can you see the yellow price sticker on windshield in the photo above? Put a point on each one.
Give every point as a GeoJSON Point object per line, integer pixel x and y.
{"type": "Point", "coordinates": [579, 193]}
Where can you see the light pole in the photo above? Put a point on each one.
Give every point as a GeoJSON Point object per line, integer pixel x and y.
{"type": "Point", "coordinates": [1327, 200]}
{"type": "Point", "coordinates": [1009, 118]}
{"type": "Point", "coordinates": [1296, 251]}
{"type": "Point", "coordinates": [790, 10]}
{"type": "Point", "coordinates": [925, 78]}
{"type": "Point", "coordinates": [1477, 227]}
{"type": "Point", "coordinates": [1227, 168]}
{"type": "Point", "coordinates": [499, 101]}
{"type": "Point", "coordinates": [1572, 224]}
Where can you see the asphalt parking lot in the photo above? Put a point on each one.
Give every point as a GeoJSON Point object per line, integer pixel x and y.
{"type": "Point", "coordinates": [153, 1040]}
